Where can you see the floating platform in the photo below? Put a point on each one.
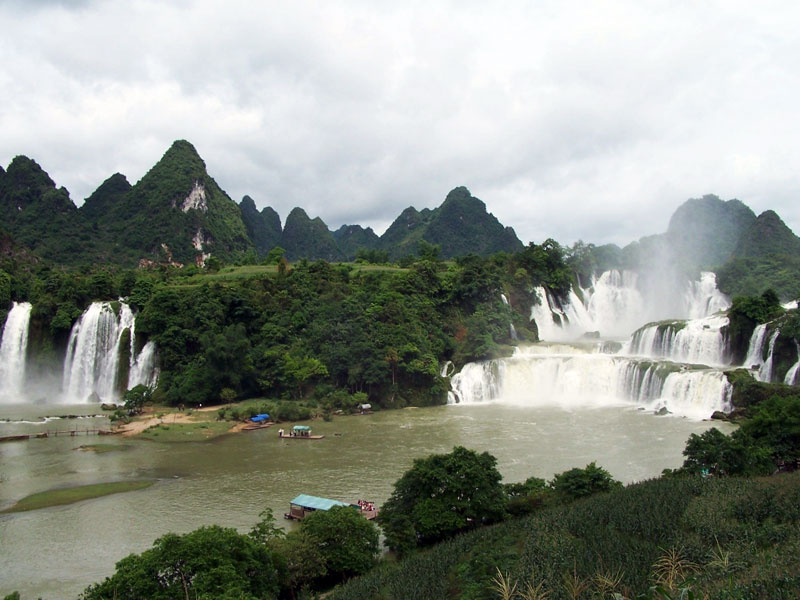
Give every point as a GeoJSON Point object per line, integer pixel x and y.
{"type": "Point", "coordinates": [303, 505]}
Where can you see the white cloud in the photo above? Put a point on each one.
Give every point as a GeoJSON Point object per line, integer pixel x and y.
{"type": "Point", "coordinates": [569, 119]}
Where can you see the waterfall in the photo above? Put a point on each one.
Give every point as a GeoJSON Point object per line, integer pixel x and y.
{"type": "Point", "coordinates": [791, 374]}
{"type": "Point", "coordinates": [13, 349]}
{"type": "Point", "coordinates": [91, 364]}
{"type": "Point", "coordinates": [617, 302]}
{"type": "Point", "coordinates": [765, 372]}
{"type": "Point", "coordinates": [584, 379]}
{"type": "Point", "coordinates": [143, 369]}
{"type": "Point", "coordinates": [702, 298]}
{"type": "Point", "coordinates": [695, 341]}
{"type": "Point", "coordinates": [755, 348]}
{"type": "Point", "coordinates": [614, 303]}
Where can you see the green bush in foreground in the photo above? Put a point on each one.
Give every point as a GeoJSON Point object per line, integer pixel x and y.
{"type": "Point", "coordinates": [731, 538]}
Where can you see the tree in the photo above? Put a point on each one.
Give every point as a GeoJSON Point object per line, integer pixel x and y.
{"type": "Point", "coordinates": [210, 562]}
{"type": "Point", "coordinates": [775, 426]}
{"type": "Point", "coordinates": [265, 531]}
{"type": "Point", "coordinates": [135, 398]}
{"type": "Point", "coordinates": [347, 541]}
{"type": "Point", "coordinates": [579, 483]}
{"type": "Point", "coordinates": [441, 495]}
{"type": "Point", "coordinates": [305, 561]}
{"type": "Point", "coordinates": [274, 256]}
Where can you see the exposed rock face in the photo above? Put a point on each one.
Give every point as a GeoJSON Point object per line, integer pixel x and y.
{"type": "Point", "coordinates": [196, 199]}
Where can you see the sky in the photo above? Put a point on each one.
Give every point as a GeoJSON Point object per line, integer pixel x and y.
{"type": "Point", "coordinates": [589, 120]}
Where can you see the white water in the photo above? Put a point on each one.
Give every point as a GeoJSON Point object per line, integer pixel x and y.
{"type": "Point", "coordinates": [543, 375]}
{"type": "Point", "coordinates": [791, 374]}
{"type": "Point", "coordinates": [755, 349]}
{"type": "Point", "coordinates": [765, 372]}
{"type": "Point", "coordinates": [702, 298]}
{"type": "Point", "coordinates": [698, 341]}
{"type": "Point", "coordinates": [617, 303]}
{"type": "Point", "coordinates": [13, 350]}
{"type": "Point", "coordinates": [144, 369]}
{"type": "Point", "coordinates": [587, 375]}
{"type": "Point", "coordinates": [91, 363]}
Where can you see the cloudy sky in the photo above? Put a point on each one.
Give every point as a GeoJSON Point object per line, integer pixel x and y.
{"type": "Point", "coordinates": [573, 120]}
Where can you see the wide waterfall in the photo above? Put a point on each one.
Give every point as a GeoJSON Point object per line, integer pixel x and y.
{"type": "Point", "coordinates": [13, 350]}
{"type": "Point", "coordinates": [657, 368]}
{"type": "Point", "coordinates": [91, 364]}
{"type": "Point", "coordinates": [694, 341]}
{"type": "Point", "coordinates": [548, 377]}
{"type": "Point", "coordinates": [617, 303]}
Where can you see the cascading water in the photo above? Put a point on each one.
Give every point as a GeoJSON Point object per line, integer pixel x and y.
{"type": "Point", "coordinates": [759, 352]}
{"type": "Point", "coordinates": [589, 379]}
{"type": "Point", "coordinates": [791, 374]}
{"type": "Point", "coordinates": [765, 372]}
{"type": "Point", "coordinates": [592, 374]}
{"type": "Point", "coordinates": [13, 350]}
{"type": "Point", "coordinates": [144, 369]}
{"type": "Point", "coordinates": [695, 341]}
{"type": "Point", "coordinates": [616, 303]}
{"type": "Point", "coordinates": [702, 298]}
{"type": "Point", "coordinates": [91, 364]}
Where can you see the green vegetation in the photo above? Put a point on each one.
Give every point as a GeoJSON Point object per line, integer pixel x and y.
{"type": "Point", "coordinates": [768, 441]}
{"type": "Point", "coordinates": [722, 538]}
{"type": "Point", "coordinates": [167, 432]}
{"type": "Point", "coordinates": [210, 562]}
{"type": "Point", "coordinates": [75, 494]}
{"type": "Point", "coordinates": [440, 496]}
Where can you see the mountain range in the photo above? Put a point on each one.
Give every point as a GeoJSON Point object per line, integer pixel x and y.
{"type": "Point", "coordinates": [177, 214]}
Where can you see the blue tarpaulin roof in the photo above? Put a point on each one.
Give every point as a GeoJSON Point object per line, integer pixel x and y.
{"type": "Point", "coordinates": [259, 418]}
{"type": "Point", "coordinates": [317, 503]}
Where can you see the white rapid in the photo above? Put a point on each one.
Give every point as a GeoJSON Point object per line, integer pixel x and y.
{"type": "Point", "coordinates": [791, 374]}
{"type": "Point", "coordinates": [702, 298]}
{"type": "Point", "coordinates": [144, 369]}
{"type": "Point", "coordinates": [13, 350]}
{"type": "Point", "coordinates": [91, 364]}
{"type": "Point", "coordinates": [656, 369]}
{"type": "Point", "coordinates": [699, 341]}
{"type": "Point", "coordinates": [546, 376]}
{"type": "Point", "coordinates": [616, 303]}
{"type": "Point", "coordinates": [759, 352]}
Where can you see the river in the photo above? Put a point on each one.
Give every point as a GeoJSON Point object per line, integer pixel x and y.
{"type": "Point", "coordinates": [56, 552]}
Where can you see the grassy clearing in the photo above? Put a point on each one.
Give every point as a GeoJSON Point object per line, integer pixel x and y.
{"type": "Point", "coordinates": [186, 432]}
{"type": "Point", "coordinates": [248, 271]}
{"type": "Point", "coordinates": [75, 494]}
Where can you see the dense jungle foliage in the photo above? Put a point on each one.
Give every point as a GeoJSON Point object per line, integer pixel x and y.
{"type": "Point", "coordinates": [290, 331]}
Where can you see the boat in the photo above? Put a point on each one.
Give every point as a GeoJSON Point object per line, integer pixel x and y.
{"type": "Point", "coordinates": [299, 432]}
{"type": "Point", "coordinates": [258, 422]}
{"type": "Point", "coordinates": [303, 505]}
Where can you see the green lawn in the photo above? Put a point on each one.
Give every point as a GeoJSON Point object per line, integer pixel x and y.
{"type": "Point", "coordinates": [186, 432]}
{"type": "Point", "coordinates": [75, 494]}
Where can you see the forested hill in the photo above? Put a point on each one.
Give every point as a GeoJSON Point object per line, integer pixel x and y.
{"type": "Point", "coordinates": [177, 214]}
